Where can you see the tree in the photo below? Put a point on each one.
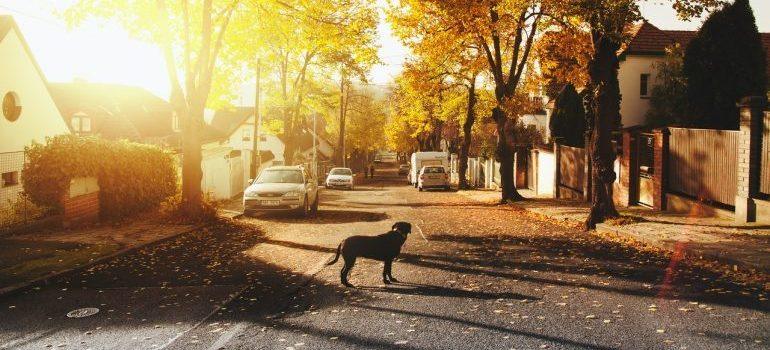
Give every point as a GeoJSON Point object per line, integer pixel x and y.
{"type": "Point", "coordinates": [724, 62]}
{"type": "Point", "coordinates": [668, 98]}
{"type": "Point", "coordinates": [563, 54]}
{"type": "Point", "coordinates": [568, 118]}
{"type": "Point", "coordinates": [607, 21]}
{"type": "Point", "coordinates": [504, 32]}
{"type": "Point", "coordinates": [304, 37]}
{"type": "Point", "coordinates": [191, 36]}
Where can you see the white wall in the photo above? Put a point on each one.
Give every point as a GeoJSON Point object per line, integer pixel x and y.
{"type": "Point", "coordinates": [39, 116]}
{"type": "Point", "coordinates": [633, 107]}
{"type": "Point", "coordinates": [546, 170]}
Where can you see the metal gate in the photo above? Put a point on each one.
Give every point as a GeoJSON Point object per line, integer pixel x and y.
{"type": "Point", "coordinates": [645, 155]}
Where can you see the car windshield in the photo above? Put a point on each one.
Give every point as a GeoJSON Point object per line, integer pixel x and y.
{"type": "Point", "coordinates": [341, 172]}
{"type": "Point", "coordinates": [434, 170]}
{"type": "Point", "coordinates": [280, 176]}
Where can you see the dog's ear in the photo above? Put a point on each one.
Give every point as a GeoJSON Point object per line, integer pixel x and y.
{"type": "Point", "coordinates": [403, 227]}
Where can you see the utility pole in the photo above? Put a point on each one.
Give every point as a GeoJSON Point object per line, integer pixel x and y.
{"type": "Point", "coordinates": [343, 112]}
{"type": "Point", "coordinates": [256, 158]}
{"type": "Point", "coordinates": [315, 146]}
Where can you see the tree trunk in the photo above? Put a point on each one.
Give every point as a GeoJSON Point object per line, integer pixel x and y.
{"type": "Point", "coordinates": [603, 117]}
{"type": "Point", "coordinates": [470, 118]}
{"type": "Point", "coordinates": [192, 174]}
{"type": "Point", "coordinates": [343, 114]}
{"type": "Point", "coordinates": [504, 153]}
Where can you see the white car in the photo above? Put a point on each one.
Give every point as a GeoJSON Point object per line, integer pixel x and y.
{"type": "Point", "coordinates": [340, 178]}
{"type": "Point", "coordinates": [282, 188]}
{"type": "Point", "coordinates": [433, 176]}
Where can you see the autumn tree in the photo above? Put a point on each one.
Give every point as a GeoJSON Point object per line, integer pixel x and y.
{"type": "Point", "coordinates": [504, 31]}
{"type": "Point", "coordinates": [305, 37]}
{"type": "Point", "coordinates": [191, 36]}
{"type": "Point", "coordinates": [607, 21]}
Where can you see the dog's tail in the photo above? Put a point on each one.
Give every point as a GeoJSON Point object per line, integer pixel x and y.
{"type": "Point", "coordinates": [336, 257]}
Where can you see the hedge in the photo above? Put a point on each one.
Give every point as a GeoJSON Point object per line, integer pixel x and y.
{"type": "Point", "coordinates": [132, 177]}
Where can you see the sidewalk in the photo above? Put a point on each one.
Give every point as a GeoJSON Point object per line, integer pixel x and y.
{"type": "Point", "coordinates": [36, 256]}
{"type": "Point", "coordinates": [746, 247]}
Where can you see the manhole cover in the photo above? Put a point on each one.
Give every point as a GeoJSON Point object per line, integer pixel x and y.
{"type": "Point", "coordinates": [84, 312]}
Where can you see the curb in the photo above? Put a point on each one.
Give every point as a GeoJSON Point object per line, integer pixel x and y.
{"type": "Point", "coordinates": [722, 258]}
{"type": "Point", "coordinates": [5, 291]}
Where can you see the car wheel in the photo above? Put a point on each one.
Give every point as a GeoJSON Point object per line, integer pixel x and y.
{"type": "Point", "coordinates": [447, 188]}
{"type": "Point", "coordinates": [419, 189]}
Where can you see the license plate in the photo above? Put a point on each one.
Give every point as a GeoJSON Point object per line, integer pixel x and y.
{"type": "Point", "coordinates": [271, 203]}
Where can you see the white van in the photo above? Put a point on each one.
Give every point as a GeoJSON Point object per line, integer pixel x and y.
{"type": "Point", "coordinates": [421, 159]}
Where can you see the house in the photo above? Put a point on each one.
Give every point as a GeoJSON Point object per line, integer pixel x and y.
{"type": "Point", "coordinates": [637, 74]}
{"type": "Point", "coordinates": [238, 125]}
{"type": "Point", "coordinates": [29, 113]}
{"type": "Point", "coordinates": [117, 112]}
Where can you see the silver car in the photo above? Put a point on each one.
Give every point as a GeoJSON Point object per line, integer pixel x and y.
{"type": "Point", "coordinates": [340, 178]}
{"type": "Point", "coordinates": [282, 188]}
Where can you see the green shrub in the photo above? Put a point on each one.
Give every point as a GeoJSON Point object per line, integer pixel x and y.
{"type": "Point", "coordinates": [132, 177]}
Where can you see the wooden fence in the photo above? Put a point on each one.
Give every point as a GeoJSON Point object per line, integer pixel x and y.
{"type": "Point", "coordinates": [702, 164]}
{"type": "Point", "coordinates": [572, 167]}
{"type": "Point", "coordinates": [764, 183]}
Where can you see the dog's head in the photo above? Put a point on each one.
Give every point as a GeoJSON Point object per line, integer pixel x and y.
{"type": "Point", "coordinates": [402, 227]}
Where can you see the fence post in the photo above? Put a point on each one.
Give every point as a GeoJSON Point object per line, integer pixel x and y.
{"type": "Point", "coordinates": [748, 158]}
{"type": "Point", "coordinates": [627, 168]}
{"type": "Point", "coordinates": [660, 171]}
{"type": "Point", "coordinates": [557, 170]}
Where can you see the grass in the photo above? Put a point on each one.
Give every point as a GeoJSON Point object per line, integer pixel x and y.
{"type": "Point", "coordinates": [25, 260]}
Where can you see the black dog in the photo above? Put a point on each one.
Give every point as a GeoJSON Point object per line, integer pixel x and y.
{"type": "Point", "coordinates": [384, 247]}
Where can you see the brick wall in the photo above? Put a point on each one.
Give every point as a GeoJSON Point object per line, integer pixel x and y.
{"type": "Point", "coordinates": [80, 203]}
{"type": "Point", "coordinates": [660, 155]}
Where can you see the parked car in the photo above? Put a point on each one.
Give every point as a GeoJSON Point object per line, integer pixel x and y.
{"type": "Point", "coordinates": [422, 159]}
{"type": "Point", "coordinates": [282, 188]}
{"type": "Point", "coordinates": [340, 178]}
{"type": "Point", "coordinates": [433, 176]}
{"type": "Point", "coordinates": [403, 169]}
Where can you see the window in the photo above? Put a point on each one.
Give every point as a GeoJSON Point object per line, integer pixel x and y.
{"type": "Point", "coordinates": [644, 81]}
{"type": "Point", "coordinates": [11, 106]}
{"type": "Point", "coordinates": [10, 179]}
{"type": "Point", "coordinates": [246, 135]}
{"type": "Point", "coordinates": [81, 123]}
{"type": "Point", "coordinates": [262, 138]}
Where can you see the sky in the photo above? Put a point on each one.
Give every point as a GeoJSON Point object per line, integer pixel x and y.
{"type": "Point", "coordinates": [107, 54]}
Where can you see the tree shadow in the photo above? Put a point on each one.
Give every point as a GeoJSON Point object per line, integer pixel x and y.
{"type": "Point", "coordinates": [323, 217]}
{"type": "Point", "coordinates": [406, 288]}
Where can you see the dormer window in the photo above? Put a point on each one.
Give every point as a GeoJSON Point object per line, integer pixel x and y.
{"type": "Point", "coordinates": [80, 123]}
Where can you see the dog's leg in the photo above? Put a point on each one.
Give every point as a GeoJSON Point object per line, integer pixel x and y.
{"type": "Point", "coordinates": [389, 271]}
{"type": "Point", "coordinates": [385, 272]}
{"type": "Point", "coordinates": [345, 270]}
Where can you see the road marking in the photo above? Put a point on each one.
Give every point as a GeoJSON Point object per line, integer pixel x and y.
{"type": "Point", "coordinates": [420, 231]}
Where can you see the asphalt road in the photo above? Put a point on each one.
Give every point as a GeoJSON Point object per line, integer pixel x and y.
{"type": "Point", "coordinates": [472, 275]}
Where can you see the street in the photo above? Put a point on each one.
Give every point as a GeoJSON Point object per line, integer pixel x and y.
{"type": "Point", "coordinates": [472, 275]}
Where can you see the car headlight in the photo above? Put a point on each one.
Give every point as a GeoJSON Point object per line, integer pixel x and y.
{"type": "Point", "coordinates": [251, 193]}
{"type": "Point", "coordinates": [291, 194]}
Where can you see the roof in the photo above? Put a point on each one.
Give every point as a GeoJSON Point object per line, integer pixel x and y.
{"type": "Point", "coordinates": [229, 120]}
{"type": "Point", "coordinates": [7, 23]}
{"type": "Point", "coordinates": [649, 40]}
{"type": "Point", "coordinates": [117, 111]}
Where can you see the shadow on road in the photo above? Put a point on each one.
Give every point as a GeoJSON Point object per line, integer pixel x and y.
{"type": "Point", "coordinates": [439, 291]}
{"type": "Point", "coordinates": [324, 217]}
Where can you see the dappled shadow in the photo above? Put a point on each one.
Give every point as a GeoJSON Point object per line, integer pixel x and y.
{"type": "Point", "coordinates": [532, 259]}
{"type": "Point", "coordinates": [323, 217]}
